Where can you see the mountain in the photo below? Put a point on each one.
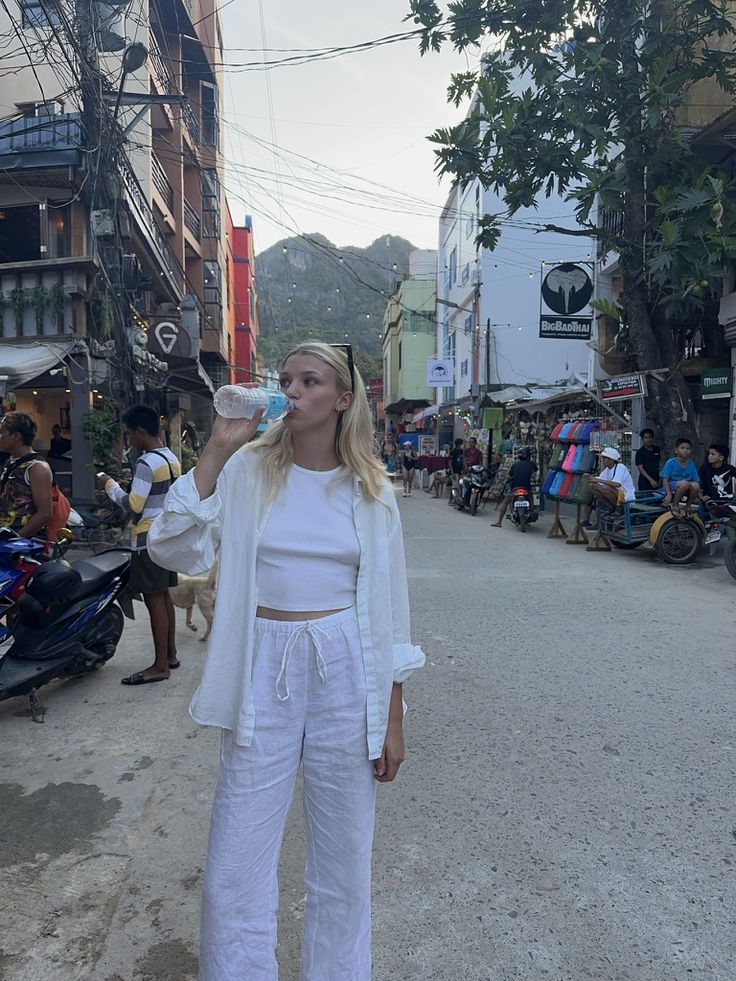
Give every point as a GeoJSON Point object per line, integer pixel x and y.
{"type": "Point", "coordinates": [310, 288]}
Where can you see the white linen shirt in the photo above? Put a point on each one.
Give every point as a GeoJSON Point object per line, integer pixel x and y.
{"type": "Point", "coordinates": [185, 538]}
{"type": "Point", "coordinates": [619, 474]}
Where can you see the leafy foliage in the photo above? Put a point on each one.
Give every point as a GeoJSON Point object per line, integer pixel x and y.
{"type": "Point", "coordinates": [573, 93]}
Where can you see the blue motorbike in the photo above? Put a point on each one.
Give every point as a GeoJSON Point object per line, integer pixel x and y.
{"type": "Point", "coordinates": [67, 620]}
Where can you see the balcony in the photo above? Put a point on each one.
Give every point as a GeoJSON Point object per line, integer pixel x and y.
{"type": "Point", "coordinates": [160, 72]}
{"type": "Point", "coordinates": [40, 142]}
{"type": "Point", "coordinates": [142, 212]}
{"type": "Point", "coordinates": [191, 125]}
{"type": "Point", "coordinates": [161, 182]}
{"type": "Point", "coordinates": [612, 225]}
{"type": "Point", "coordinates": [43, 297]}
{"type": "Point", "coordinates": [192, 220]}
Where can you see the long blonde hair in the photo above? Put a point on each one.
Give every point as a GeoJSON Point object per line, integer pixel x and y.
{"type": "Point", "coordinates": [354, 442]}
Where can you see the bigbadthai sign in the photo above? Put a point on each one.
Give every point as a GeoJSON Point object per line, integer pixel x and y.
{"type": "Point", "coordinates": [564, 303]}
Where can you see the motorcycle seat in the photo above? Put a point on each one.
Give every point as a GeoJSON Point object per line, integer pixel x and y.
{"type": "Point", "coordinates": [99, 569]}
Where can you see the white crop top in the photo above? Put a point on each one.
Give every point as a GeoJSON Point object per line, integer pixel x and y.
{"type": "Point", "coordinates": [308, 552]}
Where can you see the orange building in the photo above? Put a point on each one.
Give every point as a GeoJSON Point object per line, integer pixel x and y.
{"type": "Point", "coordinates": [245, 305]}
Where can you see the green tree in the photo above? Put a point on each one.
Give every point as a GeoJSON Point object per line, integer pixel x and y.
{"type": "Point", "coordinates": [585, 98]}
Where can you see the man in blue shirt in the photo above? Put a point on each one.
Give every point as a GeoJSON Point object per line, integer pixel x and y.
{"type": "Point", "coordinates": [680, 478]}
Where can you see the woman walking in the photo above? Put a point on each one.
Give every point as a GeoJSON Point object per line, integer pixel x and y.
{"type": "Point", "coordinates": [304, 663]}
{"type": "Point", "coordinates": [409, 458]}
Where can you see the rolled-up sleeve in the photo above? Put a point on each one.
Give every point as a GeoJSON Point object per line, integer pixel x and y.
{"type": "Point", "coordinates": [407, 657]}
{"type": "Point", "coordinates": [185, 537]}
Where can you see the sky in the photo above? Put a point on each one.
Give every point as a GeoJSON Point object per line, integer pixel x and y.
{"type": "Point", "coordinates": [337, 147]}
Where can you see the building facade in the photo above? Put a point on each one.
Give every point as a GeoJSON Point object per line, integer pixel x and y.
{"type": "Point", "coordinates": [112, 232]}
{"type": "Point", "coordinates": [409, 341]}
{"type": "Point", "coordinates": [245, 308]}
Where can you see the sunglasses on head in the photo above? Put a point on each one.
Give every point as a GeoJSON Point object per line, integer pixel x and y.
{"type": "Point", "coordinates": [348, 349]}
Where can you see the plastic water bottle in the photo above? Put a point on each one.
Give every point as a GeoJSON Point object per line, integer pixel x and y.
{"type": "Point", "coordinates": [234, 402]}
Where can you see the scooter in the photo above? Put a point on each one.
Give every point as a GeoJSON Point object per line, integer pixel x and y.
{"type": "Point", "coordinates": [476, 481]}
{"type": "Point", "coordinates": [67, 622]}
{"type": "Point", "coordinates": [523, 510]}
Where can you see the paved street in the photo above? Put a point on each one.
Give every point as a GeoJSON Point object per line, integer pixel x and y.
{"type": "Point", "coordinates": [566, 810]}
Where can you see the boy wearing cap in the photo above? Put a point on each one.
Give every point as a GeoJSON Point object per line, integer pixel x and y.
{"type": "Point", "coordinates": [680, 478]}
{"type": "Point", "coordinates": [613, 486]}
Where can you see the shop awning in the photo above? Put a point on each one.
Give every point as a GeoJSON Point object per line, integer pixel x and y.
{"type": "Point", "coordinates": [533, 396]}
{"type": "Point", "coordinates": [426, 413]}
{"type": "Point", "coordinates": [21, 363]}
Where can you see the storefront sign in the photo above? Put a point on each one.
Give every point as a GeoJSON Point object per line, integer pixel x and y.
{"type": "Point", "coordinates": [572, 328]}
{"type": "Point", "coordinates": [622, 387]}
{"type": "Point", "coordinates": [564, 304]}
{"type": "Point", "coordinates": [716, 383]}
{"type": "Point", "coordinates": [440, 372]}
{"type": "Point", "coordinates": [168, 338]}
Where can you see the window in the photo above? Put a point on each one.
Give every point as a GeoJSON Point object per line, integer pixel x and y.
{"type": "Point", "coordinates": [452, 269]}
{"type": "Point", "coordinates": [33, 14]}
{"type": "Point", "coordinates": [212, 286]}
{"type": "Point", "coordinates": [469, 226]}
{"type": "Point", "coordinates": [210, 203]}
{"type": "Point", "coordinates": [466, 273]}
{"type": "Point", "coordinates": [464, 368]}
{"type": "Point", "coordinates": [227, 280]}
{"type": "Point", "coordinates": [468, 326]}
{"type": "Point", "coordinates": [208, 96]}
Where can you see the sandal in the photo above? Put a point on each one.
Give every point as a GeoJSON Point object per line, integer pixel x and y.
{"type": "Point", "coordinates": [140, 679]}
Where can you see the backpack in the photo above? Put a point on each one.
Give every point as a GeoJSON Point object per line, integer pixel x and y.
{"type": "Point", "coordinates": [566, 485]}
{"type": "Point", "coordinates": [545, 488]}
{"type": "Point", "coordinates": [569, 460]}
{"type": "Point", "coordinates": [60, 506]}
{"type": "Point", "coordinates": [559, 452]}
{"type": "Point", "coordinates": [555, 434]}
{"type": "Point", "coordinates": [557, 483]}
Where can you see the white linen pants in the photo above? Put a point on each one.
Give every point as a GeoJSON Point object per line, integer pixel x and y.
{"type": "Point", "coordinates": [310, 703]}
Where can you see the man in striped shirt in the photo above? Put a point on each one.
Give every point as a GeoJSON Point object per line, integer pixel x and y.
{"type": "Point", "coordinates": [156, 470]}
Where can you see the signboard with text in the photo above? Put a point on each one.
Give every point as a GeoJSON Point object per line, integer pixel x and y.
{"type": "Point", "coordinates": [716, 383]}
{"type": "Point", "coordinates": [564, 303]}
{"type": "Point", "coordinates": [622, 387]}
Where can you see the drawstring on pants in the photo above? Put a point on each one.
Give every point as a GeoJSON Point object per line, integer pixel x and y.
{"type": "Point", "coordinates": [310, 628]}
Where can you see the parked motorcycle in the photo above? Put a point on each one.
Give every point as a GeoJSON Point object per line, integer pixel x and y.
{"type": "Point", "coordinates": [471, 489]}
{"type": "Point", "coordinates": [67, 622]}
{"type": "Point", "coordinates": [721, 515]}
{"type": "Point", "coordinates": [523, 509]}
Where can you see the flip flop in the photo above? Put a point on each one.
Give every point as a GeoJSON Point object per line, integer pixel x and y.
{"type": "Point", "coordinates": [140, 679]}
{"type": "Point", "coordinates": [175, 665]}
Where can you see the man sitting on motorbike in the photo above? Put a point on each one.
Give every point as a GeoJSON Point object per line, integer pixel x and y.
{"type": "Point", "coordinates": [520, 475]}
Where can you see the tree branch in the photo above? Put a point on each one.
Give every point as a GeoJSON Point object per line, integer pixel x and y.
{"type": "Point", "coordinates": [586, 231]}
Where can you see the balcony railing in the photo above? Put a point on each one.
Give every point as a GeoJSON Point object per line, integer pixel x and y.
{"type": "Point", "coordinates": [35, 134]}
{"type": "Point", "coordinates": [159, 68]}
{"type": "Point", "coordinates": [161, 182]}
{"type": "Point", "coordinates": [191, 124]}
{"type": "Point", "coordinates": [192, 220]}
{"type": "Point", "coordinates": [42, 296]}
{"type": "Point", "coordinates": [612, 224]}
{"type": "Point", "coordinates": [144, 216]}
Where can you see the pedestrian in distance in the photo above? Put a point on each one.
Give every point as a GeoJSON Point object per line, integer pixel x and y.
{"type": "Point", "coordinates": [156, 470]}
{"type": "Point", "coordinates": [647, 461]}
{"type": "Point", "coordinates": [309, 650]}
{"type": "Point", "coordinates": [409, 461]}
{"type": "Point", "coordinates": [680, 479]}
{"type": "Point", "coordinates": [473, 455]}
{"type": "Point", "coordinates": [457, 465]}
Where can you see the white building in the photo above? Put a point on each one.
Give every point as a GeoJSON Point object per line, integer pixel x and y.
{"type": "Point", "coordinates": [488, 303]}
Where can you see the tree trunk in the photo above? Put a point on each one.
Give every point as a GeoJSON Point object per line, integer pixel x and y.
{"type": "Point", "coordinates": [668, 403]}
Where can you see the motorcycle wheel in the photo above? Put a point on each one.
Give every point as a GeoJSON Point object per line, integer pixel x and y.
{"type": "Point", "coordinates": [679, 542]}
{"type": "Point", "coordinates": [522, 522]}
{"type": "Point", "coordinates": [474, 504]}
{"type": "Point", "coordinates": [731, 557]}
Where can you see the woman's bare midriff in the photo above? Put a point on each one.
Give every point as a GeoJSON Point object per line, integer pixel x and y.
{"type": "Point", "coordinates": [290, 616]}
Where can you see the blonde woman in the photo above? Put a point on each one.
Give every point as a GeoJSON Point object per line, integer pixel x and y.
{"type": "Point", "coordinates": [309, 650]}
